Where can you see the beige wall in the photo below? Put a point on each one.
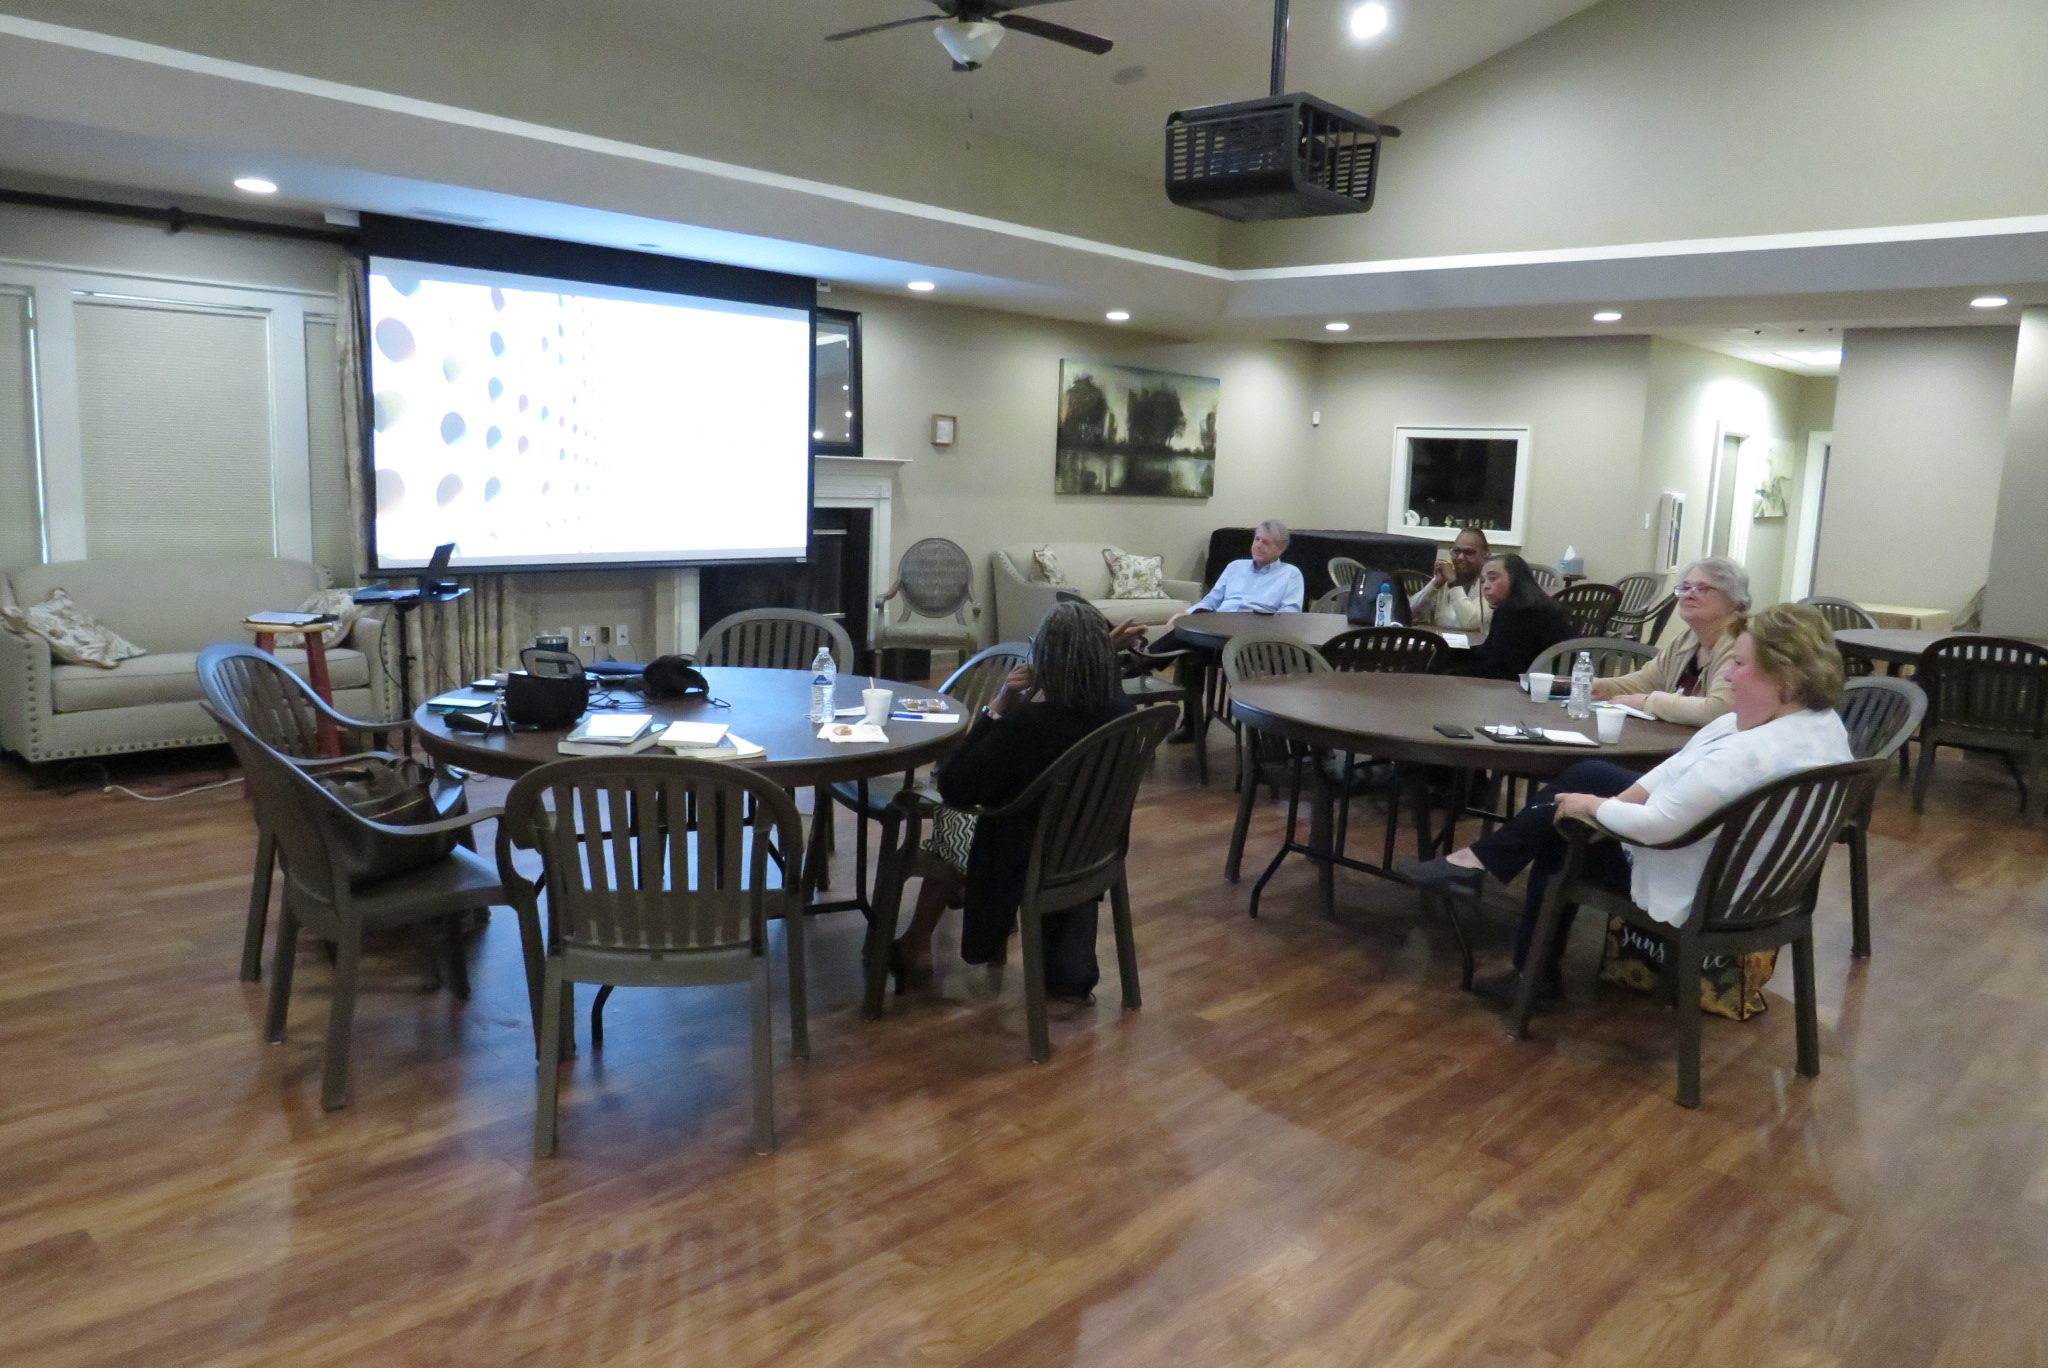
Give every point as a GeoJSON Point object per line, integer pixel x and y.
{"type": "Point", "coordinates": [1695, 397]}
{"type": "Point", "coordinates": [1658, 120]}
{"type": "Point", "coordinates": [44, 237]}
{"type": "Point", "coordinates": [1581, 398]}
{"type": "Point", "coordinates": [1920, 422]}
{"type": "Point", "coordinates": [999, 374]}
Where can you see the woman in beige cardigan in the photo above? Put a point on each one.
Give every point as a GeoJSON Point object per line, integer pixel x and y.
{"type": "Point", "coordinates": [1688, 681]}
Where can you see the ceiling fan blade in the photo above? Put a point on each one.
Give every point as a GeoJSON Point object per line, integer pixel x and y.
{"type": "Point", "coordinates": [1058, 33]}
{"type": "Point", "coordinates": [877, 28]}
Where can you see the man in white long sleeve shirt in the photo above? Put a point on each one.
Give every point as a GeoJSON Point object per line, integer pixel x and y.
{"type": "Point", "coordinates": [1452, 599]}
{"type": "Point", "coordinates": [1784, 681]}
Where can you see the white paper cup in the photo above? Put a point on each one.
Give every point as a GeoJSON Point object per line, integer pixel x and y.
{"type": "Point", "coordinates": [1539, 686]}
{"type": "Point", "coordinates": [1608, 722]}
{"type": "Point", "coordinates": [876, 703]}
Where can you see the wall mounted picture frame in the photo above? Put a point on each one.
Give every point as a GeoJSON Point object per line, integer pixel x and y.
{"type": "Point", "coordinates": [945, 427]}
{"type": "Point", "coordinates": [1446, 479]}
{"type": "Point", "coordinates": [1124, 430]}
{"type": "Point", "coordinates": [1670, 531]}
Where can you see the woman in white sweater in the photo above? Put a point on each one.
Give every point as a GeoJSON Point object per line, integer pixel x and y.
{"type": "Point", "coordinates": [1784, 681]}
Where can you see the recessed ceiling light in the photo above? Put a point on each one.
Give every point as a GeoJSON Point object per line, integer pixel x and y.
{"type": "Point", "coordinates": [1369, 21]}
{"type": "Point", "coordinates": [1813, 356]}
{"type": "Point", "coordinates": [1117, 316]}
{"type": "Point", "coordinates": [1989, 302]}
{"type": "Point", "coordinates": [1607, 316]}
{"type": "Point", "coordinates": [921, 286]}
{"type": "Point", "coordinates": [256, 185]}
{"type": "Point", "coordinates": [1336, 327]}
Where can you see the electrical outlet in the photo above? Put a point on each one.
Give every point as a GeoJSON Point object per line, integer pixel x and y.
{"type": "Point", "coordinates": [585, 642]}
{"type": "Point", "coordinates": [622, 641]}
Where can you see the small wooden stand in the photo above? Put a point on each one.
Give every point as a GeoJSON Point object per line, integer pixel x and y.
{"type": "Point", "coordinates": [266, 634]}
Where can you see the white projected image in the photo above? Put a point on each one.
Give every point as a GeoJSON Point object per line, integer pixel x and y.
{"type": "Point", "coordinates": [536, 422]}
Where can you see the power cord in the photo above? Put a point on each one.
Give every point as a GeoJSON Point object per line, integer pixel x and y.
{"type": "Point", "coordinates": [107, 785]}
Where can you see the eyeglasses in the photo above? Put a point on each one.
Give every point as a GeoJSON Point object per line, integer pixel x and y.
{"type": "Point", "coordinates": [1694, 588]}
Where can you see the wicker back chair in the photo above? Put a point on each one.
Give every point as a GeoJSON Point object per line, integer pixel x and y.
{"type": "Point", "coordinates": [281, 710]}
{"type": "Point", "coordinates": [1881, 715]}
{"type": "Point", "coordinates": [1639, 591]}
{"type": "Point", "coordinates": [1611, 656]}
{"type": "Point", "coordinates": [1589, 606]}
{"type": "Point", "coordinates": [935, 581]}
{"type": "Point", "coordinates": [1547, 578]}
{"type": "Point", "coordinates": [1412, 582]}
{"type": "Point", "coordinates": [1643, 624]}
{"type": "Point", "coordinates": [318, 837]}
{"type": "Point", "coordinates": [1247, 659]}
{"type": "Point", "coordinates": [657, 872]}
{"type": "Point", "coordinates": [1985, 693]}
{"type": "Point", "coordinates": [1384, 650]}
{"type": "Point", "coordinates": [1756, 893]}
{"type": "Point", "coordinates": [1331, 602]}
{"type": "Point", "coordinates": [774, 639]}
{"type": "Point", "coordinates": [1844, 616]}
{"type": "Point", "coordinates": [1083, 808]}
{"type": "Point", "coordinates": [1344, 572]}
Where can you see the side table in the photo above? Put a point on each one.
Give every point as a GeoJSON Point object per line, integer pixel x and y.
{"type": "Point", "coordinates": [310, 635]}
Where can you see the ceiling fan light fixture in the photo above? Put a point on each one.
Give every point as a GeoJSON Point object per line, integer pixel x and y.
{"type": "Point", "coordinates": [969, 44]}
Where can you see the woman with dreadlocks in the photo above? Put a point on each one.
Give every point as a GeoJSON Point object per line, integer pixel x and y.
{"type": "Point", "coordinates": [1071, 687]}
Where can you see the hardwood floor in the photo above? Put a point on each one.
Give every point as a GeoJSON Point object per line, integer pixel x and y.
{"type": "Point", "coordinates": [1308, 1148]}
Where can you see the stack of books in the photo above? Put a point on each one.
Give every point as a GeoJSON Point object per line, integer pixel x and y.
{"type": "Point", "coordinates": [708, 741]}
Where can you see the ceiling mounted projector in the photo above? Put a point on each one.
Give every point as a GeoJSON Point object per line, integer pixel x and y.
{"type": "Point", "coordinates": [970, 44]}
{"type": "Point", "coordinates": [970, 29]}
{"type": "Point", "coordinates": [1286, 156]}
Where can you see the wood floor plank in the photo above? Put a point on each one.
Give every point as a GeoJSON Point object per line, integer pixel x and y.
{"type": "Point", "coordinates": [1307, 1149]}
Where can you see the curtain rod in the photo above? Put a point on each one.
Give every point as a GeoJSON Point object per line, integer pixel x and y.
{"type": "Point", "coordinates": [176, 220]}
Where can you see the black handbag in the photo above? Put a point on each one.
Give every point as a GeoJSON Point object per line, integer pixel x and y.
{"type": "Point", "coordinates": [1361, 605]}
{"type": "Point", "coordinates": [395, 792]}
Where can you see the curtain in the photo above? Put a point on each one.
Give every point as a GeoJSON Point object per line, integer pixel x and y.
{"type": "Point", "coordinates": [452, 643]}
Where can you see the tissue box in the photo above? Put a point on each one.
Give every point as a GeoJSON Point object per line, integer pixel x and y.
{"type": "Point", "coordinates": [1571, 565]}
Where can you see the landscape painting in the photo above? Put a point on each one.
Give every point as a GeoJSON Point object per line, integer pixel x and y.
{"type": "Point", "coordinates": [1130, 431]}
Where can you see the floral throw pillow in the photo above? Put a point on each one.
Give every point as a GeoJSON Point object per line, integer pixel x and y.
{"type": "Point", "coordinates": [1135, 577]}
{"type": "Point", "coordinates": [340, 602]}
{"type": "Point", "coordinates": [76, 637]}
{"type": "Point", "coordinates": [1049, 566]}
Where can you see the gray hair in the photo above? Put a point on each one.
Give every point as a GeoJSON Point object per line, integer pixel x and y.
{"type": "Point", "coordinates": [1275, 529]}
{"type": "Point", "coordinates": [1072, 660]}
{"type": "Point", "coordinates": [1725, 575]}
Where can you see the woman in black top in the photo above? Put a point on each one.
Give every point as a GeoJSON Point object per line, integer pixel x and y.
{"type": "Point", "coordinates": [1525, 621]}
{"type": "Point", "coordinates": [1071, 687]}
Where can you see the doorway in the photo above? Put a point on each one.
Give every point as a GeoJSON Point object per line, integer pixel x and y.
{"type": "Point", "coordinates": [1727, 530]}
{"type": "Point", "coordinates": [1813, 488]}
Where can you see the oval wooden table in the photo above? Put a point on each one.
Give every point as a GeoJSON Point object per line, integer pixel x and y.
{"type": "Point", "coordinates": [1896, 646]}
{"type": "Point", "coordinates": [766, 707]}
{"type": "Point", "coordinates": [1394, 717]}
{"type": "Point", "coordinates": [1212, 631]}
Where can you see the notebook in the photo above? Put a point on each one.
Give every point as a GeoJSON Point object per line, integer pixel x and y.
{"type": "Point", "coordinates": [569, 746]}
{"type": "Point", "coordinates": [694, 735]}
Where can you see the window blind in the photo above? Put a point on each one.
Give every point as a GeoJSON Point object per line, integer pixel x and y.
{"type": "Point", "coordinates": [324, 449]}
{"type": "Point", "coordinates": [21, 531]}
{"type": "Point", "coordinates": [174, 423]}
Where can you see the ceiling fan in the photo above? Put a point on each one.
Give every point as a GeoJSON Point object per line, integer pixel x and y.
{"type": "Point", "coordinates": [970, 29]}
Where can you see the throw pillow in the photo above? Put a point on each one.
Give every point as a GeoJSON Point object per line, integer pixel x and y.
{"type": "Point", "coordinates": [1135, 577]}
{"type": "Point", "coordinates": [340, 602]}
{"type": "Point", "coordinates": [1049, 566]}
{"type": "Point", "coordinates": [76, 637]}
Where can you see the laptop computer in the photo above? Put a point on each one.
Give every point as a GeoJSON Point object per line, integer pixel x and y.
{"type": "Point", "coordinates": [430, 581]}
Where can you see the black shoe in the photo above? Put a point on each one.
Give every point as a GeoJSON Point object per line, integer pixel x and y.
{"type": "Point", "coordinates": [1503, 987]}
{"type": "Point", "coordinates": [1441, 876]}
{"type": "Point", "coordinates": [1180, 736]}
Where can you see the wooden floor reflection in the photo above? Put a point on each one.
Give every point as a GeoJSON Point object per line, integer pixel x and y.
{"type": "Point", "coordinates": [1308, 1149]}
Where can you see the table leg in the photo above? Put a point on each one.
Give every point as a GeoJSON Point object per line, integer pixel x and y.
{"type": "Point", "coordinates": [316, 675]}
{"type": "Point", "coordinates": [1321, 831]}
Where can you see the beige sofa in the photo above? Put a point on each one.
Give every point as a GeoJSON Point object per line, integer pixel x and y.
{"type": "Point", "coordinates": [171, 606]}
{"type": "Point", "coordinates": [1023, 597]}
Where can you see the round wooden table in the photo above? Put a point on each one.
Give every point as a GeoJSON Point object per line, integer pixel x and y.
{"type": "Point", "coordinates": [767, 707]}
{"type": "Point", "coordinates": [1394, 717]}
{"type": "Point", "coordinates": [1887, 645]}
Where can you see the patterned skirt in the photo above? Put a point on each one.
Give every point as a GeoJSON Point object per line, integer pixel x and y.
{"type": "Point", "coordinates": [951, 838]}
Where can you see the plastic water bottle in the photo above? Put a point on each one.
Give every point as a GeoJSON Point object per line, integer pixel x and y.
{"type": "Point", "coordinates": [823, 685]}
{"type": "Point", "coordinates": [1581, 704]}
{"type": "Point", "coordinates": [1383, 606]}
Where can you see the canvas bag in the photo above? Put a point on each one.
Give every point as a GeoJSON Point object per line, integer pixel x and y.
{"type": "Point", "coordinates": [1363, 600]}
{"type": "Point", "coordinates": [1730, 985]}
{"type": "Point", "coordinates": [396, 792]}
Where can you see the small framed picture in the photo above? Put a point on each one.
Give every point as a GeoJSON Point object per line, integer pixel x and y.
{"type": "Point", "coordinates": [944, 426]}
